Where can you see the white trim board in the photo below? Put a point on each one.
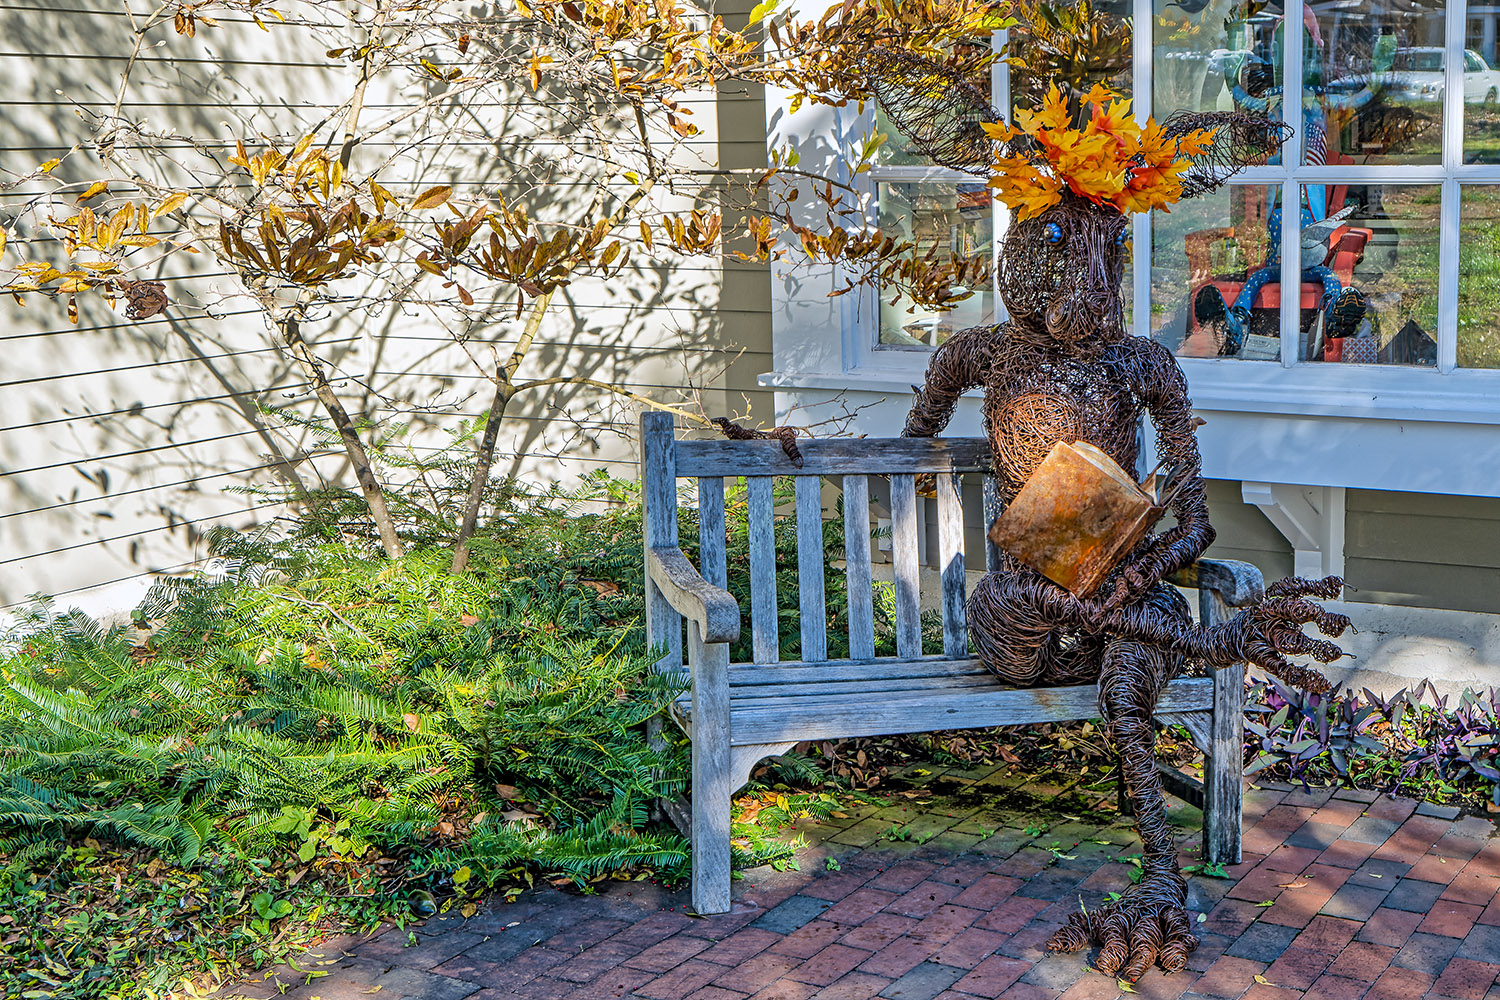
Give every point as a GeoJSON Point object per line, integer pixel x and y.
{"type": "Point", "coordinates": [1409, 455]}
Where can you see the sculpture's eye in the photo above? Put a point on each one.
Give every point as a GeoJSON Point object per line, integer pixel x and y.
{"type": "Point", "coordinates": [1122, 238]}
{"type": "Point", "coordinates": [1053, 232]}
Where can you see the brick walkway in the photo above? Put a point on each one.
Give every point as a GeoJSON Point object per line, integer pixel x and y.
{"type": "Point", "coordinates": [1340, 896]}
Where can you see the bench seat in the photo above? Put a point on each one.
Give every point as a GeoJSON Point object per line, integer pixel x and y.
{"type": "Point", "coordinates": [793, 702]}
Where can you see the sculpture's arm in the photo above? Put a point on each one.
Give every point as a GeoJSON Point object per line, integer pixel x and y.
{"type": "Point", "coordinates": [1164, 390]}
{"type": "Point", "coordinates": [961, 364]}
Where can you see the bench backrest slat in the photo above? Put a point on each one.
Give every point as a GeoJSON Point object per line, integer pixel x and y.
{"type": "Point", "coordinates": [993, 507]}
{"type": "Point", "coordinates": [713, 559]}
{"type": "Point", "coordinates": [857, 567]}
{"type": "Point", "coordinates": [951, 564]}
{"type": "Point", "coordinates": [659, 485]}
{"type": "Point", "coordinates": [904, 559]}
{"type": "Point", "coordinates": [833, 457]}
{"type": "Point", "coordinates": [810, 568]}
{"type": "Point", "coordinates": [762, 531]}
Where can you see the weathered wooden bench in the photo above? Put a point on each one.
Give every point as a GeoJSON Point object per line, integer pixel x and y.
{"type": "Point", "coordinates": [739, 713]}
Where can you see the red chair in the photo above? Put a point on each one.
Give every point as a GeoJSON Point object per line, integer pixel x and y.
{"type": "Point", "coordinates": [1346, 250]}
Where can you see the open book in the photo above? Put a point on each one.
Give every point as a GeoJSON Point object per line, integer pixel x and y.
{"type": "Point", "coordinates": [1079, 514]}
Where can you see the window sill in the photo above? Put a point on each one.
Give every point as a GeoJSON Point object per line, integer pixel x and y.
{"type": "Point", "coordinates": [1468, 396]}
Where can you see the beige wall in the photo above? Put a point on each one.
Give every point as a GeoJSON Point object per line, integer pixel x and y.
{"type": "Point", "coordinates": [118, 439]}
{"type": "Point", "coordinates": [1423, 550]}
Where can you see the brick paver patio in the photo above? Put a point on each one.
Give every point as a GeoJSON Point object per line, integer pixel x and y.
{"type": "Point", "coordinates": [1341, 895]}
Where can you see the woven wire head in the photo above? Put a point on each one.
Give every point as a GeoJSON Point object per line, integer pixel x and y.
{"type": "Point", "coordinates": [1061, 273]}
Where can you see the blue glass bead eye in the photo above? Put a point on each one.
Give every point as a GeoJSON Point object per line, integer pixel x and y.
{"type": "Point", "coordinates": [1123, 238]}
{"type": "Point", "coordinates": [1053, 232]}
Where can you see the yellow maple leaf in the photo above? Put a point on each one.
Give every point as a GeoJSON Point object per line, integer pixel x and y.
{"type": "Point", "coordinates": [1196, 143]}
{"type": "Point", "coordinates": [1053, 116]}
{"type": "Point", "coordinates": [1115, 120]}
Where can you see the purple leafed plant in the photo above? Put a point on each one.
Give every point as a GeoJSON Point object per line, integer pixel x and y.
{"type": "Point", "coordinates": [1411, 741]}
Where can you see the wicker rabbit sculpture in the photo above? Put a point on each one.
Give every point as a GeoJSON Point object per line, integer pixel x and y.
{"type": "Point", "coordinates": [1062, 368]}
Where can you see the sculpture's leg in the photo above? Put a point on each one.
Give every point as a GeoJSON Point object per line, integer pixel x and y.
{"type": "Point", "coordinates": [1149, 924]}
{"type": "Point", "coordinates": [1026, 640]}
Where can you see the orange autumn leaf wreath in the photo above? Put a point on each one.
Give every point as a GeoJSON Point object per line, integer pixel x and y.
{"type": "Point", "coordinates": [1110, 161]}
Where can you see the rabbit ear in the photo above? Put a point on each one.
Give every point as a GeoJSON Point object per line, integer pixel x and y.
{"type": "Point", "coordinates": [1239, 140]}
{"type": "Point", "coordinates": [940, 113]}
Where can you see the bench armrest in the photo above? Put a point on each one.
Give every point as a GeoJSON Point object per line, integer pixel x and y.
{"type": "Point", "coordinates": [715, 610]}
{"type": "Point", "coordinates": [1238, 584]}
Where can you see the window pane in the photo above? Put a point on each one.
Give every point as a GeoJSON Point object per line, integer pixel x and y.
{"type": "Point", "coordinates": [1481, 88]}
{"type": "Point", "coordinates": [1218, 58]}
{"type": "Point", "coordinates": [1479, 277]}
{"type": "Point", "coordinates": [1370, 280]}
{"type": "Point", "coordinates": [1203, 253]}
{"type": "Point", "coordinates": [1074, 57]}
{"type": "Point", "coordinates": [1372, 82]}
{"type": "Point", "coordinates": [950, 216]}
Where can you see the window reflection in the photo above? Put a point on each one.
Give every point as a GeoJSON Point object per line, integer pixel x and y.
{"type": "Point", "coordinates": [1482, 87]}
{"type": "Point", "coordinates": [1225, 55]}
{"type": "Point", "coordinates": [1373, 297]}
{"type": "Point", "coordinates": [947, 216]}
{"type": "Point", "coordinates": [1373, 81]}
{"type": "Point", "coordinates": [1368, 258]}
{"type": "Point", "coordinates": [1060, 49]}
{"type": "Point", "coordinates": [1203, 254]}
{"type": "Point", "coordinates": [1479, 277]}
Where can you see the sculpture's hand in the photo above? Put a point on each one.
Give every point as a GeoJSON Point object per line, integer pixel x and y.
{"type": "Point", "coordinates": [1133, 582]}
{"type": "Point", "coordinates": [1266, 633]}
{"type": "Point", "coordinates": [1146, 926]}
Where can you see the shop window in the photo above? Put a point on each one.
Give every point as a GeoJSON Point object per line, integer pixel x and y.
{"type": "Point", "coordinates": [1202, 254]}
{"type": "Point", "coordinates": [1374, 300]}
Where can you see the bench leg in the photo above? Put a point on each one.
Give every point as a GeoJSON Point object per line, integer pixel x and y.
{"type": "Point", "coordinates": [712, 779]}
{"type": "Point", "coordinates": [1224, 770]}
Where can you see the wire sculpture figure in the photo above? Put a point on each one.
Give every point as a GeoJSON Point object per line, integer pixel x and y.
{"type": "Point", "coordinates": [1062, 368]}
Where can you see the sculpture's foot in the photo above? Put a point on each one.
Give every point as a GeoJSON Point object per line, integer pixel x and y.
{"type": "Point", "coordinates": [1149, 926]}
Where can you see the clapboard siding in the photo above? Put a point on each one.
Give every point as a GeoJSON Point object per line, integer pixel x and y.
{"type": "Point", "coordinates": [117, 439]}
{"type": "Point", "coordinates": [1423, 550]}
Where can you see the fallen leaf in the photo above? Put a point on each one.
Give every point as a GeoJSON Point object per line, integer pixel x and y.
{"type": "Point", "coordinates": [604, 588]}
{"type": "Point", "coordinates": [506, 791]}
{"type": "Point", "coordinates": [411, 721]}
{"type": "Point", "coordinates": [467, 620]}
{"type": "Point", "coordinates": [1268, 902]}
{"type": "Point", "coordinates": [1263, 980]}
{"type": "Point", "coordinates": [1291, 885]}
{"type": "Point", "coordinates": [469, 909]}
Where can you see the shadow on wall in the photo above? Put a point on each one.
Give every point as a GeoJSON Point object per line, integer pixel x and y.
{"type": "Point", "coordinates": [118, 439]}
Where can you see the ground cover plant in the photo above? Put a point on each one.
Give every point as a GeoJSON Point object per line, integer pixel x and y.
{"type": "Point", "coordinates": [309, 738]}
{"type": "Point", "coordinates": [316, 738]}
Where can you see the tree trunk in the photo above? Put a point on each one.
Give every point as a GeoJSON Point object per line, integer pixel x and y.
{"type": "Point", "coordinates": [364, 473]}
{"type": "Point", "coordinates": [504, 389]}
{"type": "Point", "coordinates": [482, 465]}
